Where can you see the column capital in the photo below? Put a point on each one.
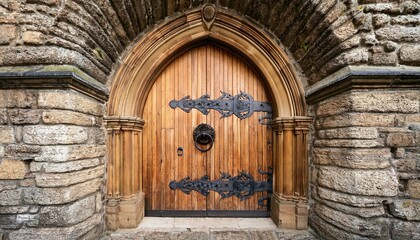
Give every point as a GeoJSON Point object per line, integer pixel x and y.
{"type": "Point", "coordinates": [123, 123]}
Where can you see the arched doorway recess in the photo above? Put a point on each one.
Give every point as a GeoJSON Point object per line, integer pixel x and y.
{"type": "Point", "coordinates": [145, 62]}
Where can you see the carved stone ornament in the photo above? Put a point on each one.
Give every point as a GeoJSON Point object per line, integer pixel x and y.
{"type": "Point", "coordinates": [208, 14]}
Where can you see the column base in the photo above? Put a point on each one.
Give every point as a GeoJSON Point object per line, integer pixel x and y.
{"type": "Point", "coordinates": [124, 213]}
{"type": "Point", "coordinates": [289, 214]}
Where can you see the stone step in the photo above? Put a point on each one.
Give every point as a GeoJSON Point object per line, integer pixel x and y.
{"type": "Point", "coordinates": [209, 228]}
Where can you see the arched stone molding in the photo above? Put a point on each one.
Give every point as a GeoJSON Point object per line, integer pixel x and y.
{"type": "Point", "coordinates": [150, 55]}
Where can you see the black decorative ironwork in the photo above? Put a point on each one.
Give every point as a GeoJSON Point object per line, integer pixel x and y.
{"type": "Point", "coordinates": [204, 134]}
{"type": "Point", "coordinates": [241, 105]}
{"type": "Point", "coordinates": [243, 186]}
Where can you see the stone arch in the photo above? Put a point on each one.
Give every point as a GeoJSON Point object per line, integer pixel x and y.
{"type": "Point", "coordinates": [135, 76]}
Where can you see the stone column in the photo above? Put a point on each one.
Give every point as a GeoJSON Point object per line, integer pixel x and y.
{"type": "Point", "coordinates": [290, 196]}
{"type": "Point", "coordinates": [125, 205]}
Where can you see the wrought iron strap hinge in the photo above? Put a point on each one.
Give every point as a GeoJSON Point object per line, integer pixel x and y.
{"type": "Point", "coordinates": [243, 186]}
{"type": "Point", "coordinates": [241, 105]}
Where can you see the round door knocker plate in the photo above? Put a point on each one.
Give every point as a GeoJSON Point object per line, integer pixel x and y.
{"type": "Point", "coordinates": [204, 134]}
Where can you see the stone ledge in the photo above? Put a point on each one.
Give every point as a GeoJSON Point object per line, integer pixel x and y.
{"type": "Point", "coordinates": [363, 77]}
{"type": "Point", "coordinates": [52, 77]}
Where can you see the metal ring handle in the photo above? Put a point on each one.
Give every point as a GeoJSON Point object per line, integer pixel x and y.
{"type": "Point", "coordinates": [201, 149]}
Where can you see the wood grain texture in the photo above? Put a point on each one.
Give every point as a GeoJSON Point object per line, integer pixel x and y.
{"type": "Point", "coordinates": [240, 145]}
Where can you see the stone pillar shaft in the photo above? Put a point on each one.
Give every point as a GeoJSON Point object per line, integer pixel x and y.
{"type": "Point", "coordinates": [290, 196]}
{"type": "Point", "coordinates": [125, 205]}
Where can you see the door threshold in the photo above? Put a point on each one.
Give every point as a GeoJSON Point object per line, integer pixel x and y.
{"type": "Point", "coordinates": [212, 213]}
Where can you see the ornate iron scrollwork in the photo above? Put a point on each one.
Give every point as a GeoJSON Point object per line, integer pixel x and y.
{"type": "Point", "coordinates": [243, 186]}
{"type": "Point", "coordinates": [241, 105]}
{"type": "Point", "coordinates": [204, 134]}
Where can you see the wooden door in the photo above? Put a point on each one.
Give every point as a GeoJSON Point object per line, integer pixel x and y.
{"type": "Point", "coordinates": [240, 145]}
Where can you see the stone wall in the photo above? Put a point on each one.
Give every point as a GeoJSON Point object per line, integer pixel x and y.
{"type": "Point", "coordinates": [366, 164]}
{"type": "Point", "coordinates": [51, 165]}
{"type": "Point", "coordinates": [322, 36]}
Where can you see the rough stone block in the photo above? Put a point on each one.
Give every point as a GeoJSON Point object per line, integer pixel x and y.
{"type": "Point", "coordinates": [403, 139]}
{"type": "Point", "coordinates": [67, 117]}
{"type": "Point", "coordinates": [349, 199]}
{"type": "Point", "coordinates": [99, 202]}
{"type": "Point", "coordinates": [73, 232]}
{"type": "Point", "coordinates": [7, 185]}
{"type": "Point", "coordinates": [3, 116]}
{"type": "Point", "coordinates": [386, 101]}
{"type": "Point", "coordinates": [29, 219]}
{"type": "Point", "coordinates": [350, 133]}
{"type": "Point", "coordinates": [406, 165]}
{"type": "Point", "coordinates": [357, 119]}
{"type": "Point", "coordinates": [10, 197]}
{"type": "Point", "coordinates": [1, 151]}
{"type": "Point", "coordinates": [371, 158]}
{"type": "Point", "coordinates": [22, 151]}
{"type": "Point", "coordinates": [13, 169]}
{"type": "Point", "coordinates": [70, 153]}
{"type": "Point", "coordinates": [380, 20]}
{"type": "Point", "coordinates": [410, 55]}
{"type": "Point", "coordinates": [8, 33]}
{"type": "Point", "coordinates": [364, 212]}
{"type": "Point", "coordinates": [20, 98]}
{"type": "Point", "coordinates": [55, 134]}
{"type": "Point", "coordinates": [406, 19]}
{"type": "Point", "coordinates": [49, 196]}
{"type": "Point", "coordinates": [361, 182]}
{"type": "Point", "coordinates": [413, 188]}
{"type": "Point", "coordinates": [33, 37]}
{"type": "Point", "coordinates": [66, 179]}
{"type": "Point", "coordinates": [24, 116]}
{"type": "Point", "coordinates": [330, 231]}
{"type": "Point", "coordinates": [399, 33]}
{"type": "Point", "coordinates": [405, 230]}
{"type": "Point", "coordinates": [7, 134]}
{"type": "Point", "coordinates": [71, 101]}
{"type": "Point", "coordinates": [384, 59]}
{"type": "Point", "coordinates": [52, 167]}
{"type": "Point", "coordinates": [67, 215]}
{"type": "Point", "coordinates": [406, 209]}
{"type": "Point", "coordinates": [353, 143]}
{"type": "Point", "coordinates": [365, 227]}
{"type": "Point", "coordinates": [14, 210]}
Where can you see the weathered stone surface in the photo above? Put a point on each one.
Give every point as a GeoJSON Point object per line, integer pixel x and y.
{"type": "Point", "coordinates": [384, 59]}
{"type": "Point", "coordinates": [360, 182]}
{"type": "Point", "coordinates": [329, 231]}
{"type": "Point", "coordinates": [66, 179]}
{"type": "Point", "coordinates": [67, 215]}
{"type": "Point", "coordinates": [22, 151]}
{"type": "Point", "coordinates": [13, 169]}
{"type": "Point", "coordinates": [70, 153]}
{"type": "Point", "coordinates": [33, 37]}
{"type": "Point", "coordinates": [352, 200]}
{"type": "Point", "coordinates": [10, 197]}
{"type": "Point", "coordinates": [371, 158]}
{"type": "Point", "coordinates": [353, 224]}
{"type": "Point", "coordinates": [8, 33]}
{"type": "Point", "coordinates": [28, 219]}
{"type": "Point", "coordinates": [380, 20]}
{"type": "Point", "coordinates": [413, 188]}
{"type": "Point", "coordinates": [349, 133]}
{"type": "Point", "coordinates": [405, 230]}
{"type": "Point", "coordinates": [49, 196]}
{"type": "Point", "coordinates": [353, 143]}
{"type": "Point", "coordinates": [69, 100]}
{"type": "Point", "coordinates": [410, 54]}
{"type": "Point", "coordinates": [73, 232]}
{"type": "Point", "coordinates": [406, 165]}
{"type": "Point", "coordinates": [99, 202]}
{"type": "Point", "coordinates": [406, 209]}
{"type": "Point", "coordinates": [13, 210]}
{"type": "Point", "coordinates": [389, 101]}
{"type": "Point", "coordinates": [20, 98]}
{"type": "Point", "coordinates": [3, 116]}
{"type": "Point", "coordinates": [1, 151]}
{"type": "Point", "coordinates": [7, 134]}
{"type": "Point", "coordinates": [55, 134]}
{"type": "Point", "coordinates": [357, 119]}
{"type": "Point", "coordinates": [403, 139]}
{"type": "Point", "coordinates": [24, 116]}
{"type": "Point", "coordinates": [7, 185]}
{"type": "Point", "coordinates": [364, 212]}
{"type": "Point", "coordinates": [406, 20]}
{"type": "Point", "coordinates": [52, 167]}
{"type": "Point", "coordinates": [399, 33]}
{"type": "Point", "coordinates": [67, 117]}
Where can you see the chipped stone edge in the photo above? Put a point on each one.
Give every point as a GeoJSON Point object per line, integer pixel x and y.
{"type": "Point", "coordinates": [52, 77]}
{"type": "Point", "coordinates": [363, 77]}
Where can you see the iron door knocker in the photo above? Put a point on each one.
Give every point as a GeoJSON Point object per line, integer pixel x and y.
{"type": "Point", "coordinates": [204, 134]}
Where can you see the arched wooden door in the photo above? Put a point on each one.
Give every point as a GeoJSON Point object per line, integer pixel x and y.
{"type": "Point", "coordinates": [169, 153]}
